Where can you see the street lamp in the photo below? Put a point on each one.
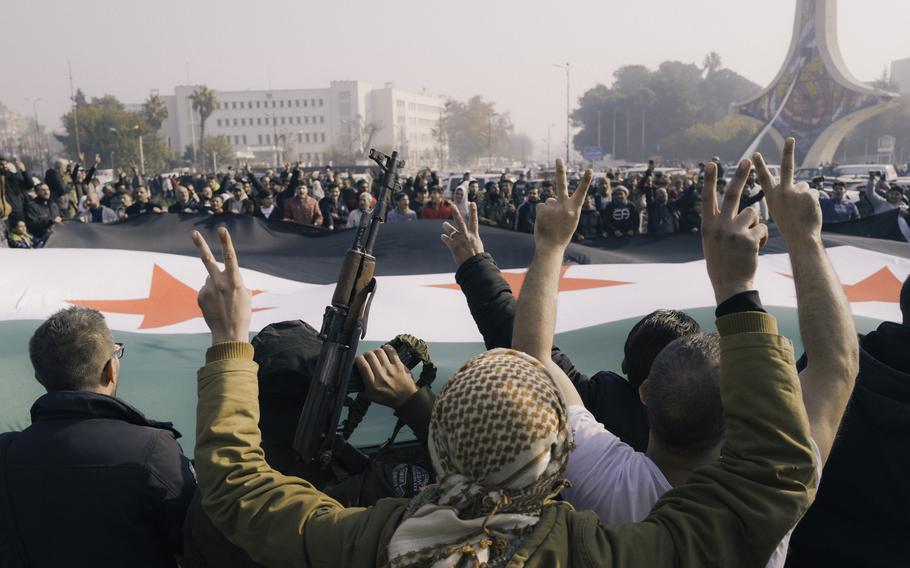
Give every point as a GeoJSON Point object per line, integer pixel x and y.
{"type": "Point", "coordinates": [548, 142]}
{"type": "Point", "coordinates": [568, 111]}
{"type": "Point", "coordinates": [141, 150]}
{"type": "Point", "coordinates": [37, 131]}
{"type": "Point", "coordinates": [274, 138]}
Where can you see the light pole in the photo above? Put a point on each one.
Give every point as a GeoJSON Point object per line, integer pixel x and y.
{"type": "Point", "coordinates": [37, 131]}
{"type": "Point", "coordinates": [549, 128]}
{"type": "Point", "coordinates": [274, 138]}
{"type": "Point", "coordinates": [568, 112]}
{"type": "Point", "coordinates": [141, 150]}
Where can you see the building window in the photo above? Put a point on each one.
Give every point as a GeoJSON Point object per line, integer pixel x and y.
{"type": "Point", "coordinates": [305, 102]}
{"type": "Point", "coordinates": [307, 137]}
{"type": "Point", "coordinates": [306, 120]}
{"type": "Point", "coordinates": [297, 102]}
{"type": "Point", "coordinates": [268, 139]}
{"type": "Point", "coordinates": [244, 139]}
{"type": "Point", "coordinates": [219, 122]}
{"type": "Point", "coordinates": [322, 136]}
{"type": "Point", "coordinates": [260, 139]}
{"type": "Point", "coordinates": [299, 137]}
{"type": "Point", "coordinates": [320, 102]}
{"type": "Point", "coordinates": [259, 121]}
{"type": "Point", "coordinates": [274, 103]}
{"type": "Point", "coordinates": [281, 104]}
{"type": "Point", "coordinates": [235, 122]}
{"type": "Point", "coordinates": [282, 120]}
{"type": "Point", "coordinates": [257, 104]}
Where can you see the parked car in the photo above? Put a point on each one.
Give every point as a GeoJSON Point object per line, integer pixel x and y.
{"type": "Point", "coordinates": [855, 173]}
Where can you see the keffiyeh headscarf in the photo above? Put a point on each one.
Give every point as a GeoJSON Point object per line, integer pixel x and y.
{"type": "Point", "coordinates": [499, 441]}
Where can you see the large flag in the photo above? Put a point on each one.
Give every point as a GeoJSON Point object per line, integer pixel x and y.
{"type": "Point", "coordinates": [143, 275]}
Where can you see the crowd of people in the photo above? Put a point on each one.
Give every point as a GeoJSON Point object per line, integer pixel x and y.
{"type": "Point", "coordinates": [705, 449]}
{"type": "Point", "coordinates": [619, 205]}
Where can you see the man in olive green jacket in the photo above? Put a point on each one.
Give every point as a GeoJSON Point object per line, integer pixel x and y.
{"type": "Point", "coordinates": [730, 513]}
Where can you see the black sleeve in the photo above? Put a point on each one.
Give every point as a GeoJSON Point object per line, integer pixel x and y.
{"type": "Point", "coordinates": [90, 174]}
{"type": "Point", "coordinates": [295, 180]}
{"type": "Point", "coordinates": [54, 182]}
{"type": "Point", "coordinates": [489, 298]}
{"type": "Point", "coordinates": [173, 478]}
{"type": "Point", "coordinates": [415, 413]}
{"type": "Point", "coordinates": [748, 301]}
{"type": "Point", "coordinates": [257, 185]}
{"type": "Point", "coordinates": [752, 199]}
{"type": "Point", "coordinates": [27, 182]}
{"type": "Point", "coordinates": [492, 306]}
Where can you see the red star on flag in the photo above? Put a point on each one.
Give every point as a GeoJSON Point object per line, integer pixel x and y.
{"type": "Point", "coordinates": [516, 280]}
{"type": "Point", "coordinates": [169, 302]}
{"type": "Point", "coordinates": [882, 286]}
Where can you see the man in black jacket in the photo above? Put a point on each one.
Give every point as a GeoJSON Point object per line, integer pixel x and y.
{"type": "Point", "coordinates": [42, 213]}
{"type": "Point", "coordinates": [859, 517]}
{"type": "Point", "coordinates": [613, 400]}
{"type": "Point", "coordinates": [92, 482]}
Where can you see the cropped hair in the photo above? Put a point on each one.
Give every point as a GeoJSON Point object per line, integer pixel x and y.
{"type": "Point", "coordinates": [683, 396]}
{"type": "Point", "coordinates": [649, 336]}
{"type": "Point", "coordinates": [70, 349]}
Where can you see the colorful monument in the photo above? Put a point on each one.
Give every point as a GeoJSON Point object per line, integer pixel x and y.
{"type": "Point", "coordinates": [814, 98]}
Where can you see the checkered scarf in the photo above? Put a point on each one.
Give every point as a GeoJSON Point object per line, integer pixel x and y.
{"type": "Point", "coordinates": [499, 442]}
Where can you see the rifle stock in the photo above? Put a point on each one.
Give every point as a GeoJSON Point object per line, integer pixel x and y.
{"type": "Point", "coordinates": [343, 325]}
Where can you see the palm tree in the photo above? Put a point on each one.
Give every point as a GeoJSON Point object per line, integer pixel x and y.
{"type": "Point", "coordinates": [203, 100]}
{"type": "Point", "coordinates": [711, 63]}
{"type": "Point", "coordinates": [155, 111]}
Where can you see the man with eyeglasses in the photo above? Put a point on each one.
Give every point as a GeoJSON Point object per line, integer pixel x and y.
{"type": "Point", "coordinates": [92, 481]}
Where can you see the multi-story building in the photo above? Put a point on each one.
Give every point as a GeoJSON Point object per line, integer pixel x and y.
{"type": "Point", "coordinates": [900, 74]}
{"type": "Point", "coordinates": [339, 123]}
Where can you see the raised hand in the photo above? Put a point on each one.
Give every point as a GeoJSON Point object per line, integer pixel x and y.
{"type": "Point", "coordinates": [731, 241]}
{"type": "Point", "coordinates": [81, 157]}
{"type": "Point", "coordinates": [386, 380]}
{"type": "Point", "coordinates": [463, 239]}
{"type": "Point", "coordinates": [97, 159]}
{"type": "Point", "coordinates": [224, 300]}
{"type": "Point", "coordinates": [557, 219]}
{"type": "Point", "coordinates": [794, 207]}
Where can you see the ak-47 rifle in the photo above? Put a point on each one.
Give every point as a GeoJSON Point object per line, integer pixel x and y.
{"type": "Point", "coordinates": [318, 438]}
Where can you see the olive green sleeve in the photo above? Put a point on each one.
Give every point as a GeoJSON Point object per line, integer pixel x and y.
{"type": "Point", "coordinates": [735, 511]}
{"type": "Point", "coordinates": [278, 520]}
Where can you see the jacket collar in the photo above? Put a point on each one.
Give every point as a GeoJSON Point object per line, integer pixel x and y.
{"type": "Point", "coordinates": [81, 405]}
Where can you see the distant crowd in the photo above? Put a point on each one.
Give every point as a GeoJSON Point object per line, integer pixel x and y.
{"type": "Point", "coordinates": [619, 205]}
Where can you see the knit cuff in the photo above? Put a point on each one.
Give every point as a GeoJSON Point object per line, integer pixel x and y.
{"type": "Point", "coordinates": [229, 350]}
{"type": "Point", "coordinates": [747, 322]}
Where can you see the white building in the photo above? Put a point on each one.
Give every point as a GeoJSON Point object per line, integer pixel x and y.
{"type": "Point", "coordinates": [900, 74]}
{"type": "Point", "coordinates": [311, 125]}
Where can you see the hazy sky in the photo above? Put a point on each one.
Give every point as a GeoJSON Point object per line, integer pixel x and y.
{"type": "Point", "coordinates": [503, 50]}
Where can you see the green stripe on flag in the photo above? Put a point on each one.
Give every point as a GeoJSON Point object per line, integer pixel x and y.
{"type": "Point", "coordinates": [158, 372]}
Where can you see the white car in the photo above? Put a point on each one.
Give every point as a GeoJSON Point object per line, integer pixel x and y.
{"type": "Point", "coordinates": [855, 173]}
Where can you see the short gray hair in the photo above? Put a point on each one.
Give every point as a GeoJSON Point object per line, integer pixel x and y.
{"type": "Point", "coordinates": [683, 394]}
{"type": "Point", "coordinates": [70, 349]}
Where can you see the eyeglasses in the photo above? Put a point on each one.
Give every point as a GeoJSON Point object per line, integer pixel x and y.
{"type": "Point", "coordinates": [121, 348]}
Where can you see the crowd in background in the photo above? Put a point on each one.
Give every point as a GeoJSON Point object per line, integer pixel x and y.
{"type": "Point", "coordinates": [619, 205]}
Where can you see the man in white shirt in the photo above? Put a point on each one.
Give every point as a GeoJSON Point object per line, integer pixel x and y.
{"type": "Point", "coordinates": [682, 392]}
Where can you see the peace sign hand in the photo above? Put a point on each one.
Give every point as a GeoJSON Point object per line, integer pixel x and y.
{"type": "Point", "coordinates": [557, 219]}
{"type": "Point", "coordinates": [224, 300]}
{"type": "Point", "coordinates": [463, 239]}
{"type": "Point", "coordinates": [794, 206]}
{"type": "Point", "coordinates": [730, 240]}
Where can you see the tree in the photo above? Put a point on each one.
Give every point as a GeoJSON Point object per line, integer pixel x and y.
{"type": "Point", "coordinates": [108, 129]}
{"type": "Point", "coordinates": [213, 146]}
{"type": "Point", "coordinates": [155, 111]}
{"type": "Point", "coordinates": [475, 130]}
{"type": "Point", "coordinates": [643, 113]}
{"type": "Point", "coordinates": [711, 63]}
{"type": "Point", "coordinates": [203, 101]}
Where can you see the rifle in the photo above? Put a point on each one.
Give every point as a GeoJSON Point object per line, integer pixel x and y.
{"type": "Point", "coordinates": [318, 440]}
